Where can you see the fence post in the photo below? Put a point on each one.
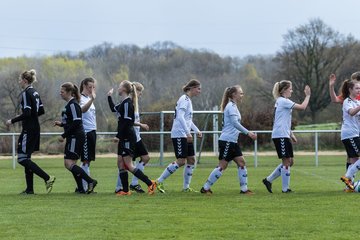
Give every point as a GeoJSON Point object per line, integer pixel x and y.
{"type": "Point", "coordinates": [316, 149]}
{"type": "Point", "coordinates": [215, 128]}
{"type": "Point", "coordinates": [255, 153]}
{"type": "Point", "coordinates": [161, 138]}
{"type": "Point", "coordinates": [195, 144]}
{"type": "Point", "coordinates": [13, 150]}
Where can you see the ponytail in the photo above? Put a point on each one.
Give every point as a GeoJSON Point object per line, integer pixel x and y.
{"type": "Point", "coordinates": [275, 91]}
{"type": "Point", "coordinates": [86, 82]}
{"type": "Point", "coordinates": [76, 93]}
{"type": "Point", "coordinates": [228, 93]}
{"type": "Point", "coordinates": [345, 86]}
{"type": "Point", "coordinates": [280, 87]}
{"type": "Point", "coordinates": [70, 87]}
{"type": "Point", "coordinates": [131, 91]}
{"type": "Point", "coordinates": [134, 97]}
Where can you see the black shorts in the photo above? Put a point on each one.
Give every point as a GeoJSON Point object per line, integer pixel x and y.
{"type": "Point", "coordinates": [140, 150]}
{"type": "Point", "coordinates": [88, 153]}
{"type": "Point", "coordinates": [283, 147]}
{"type": "Point", "coordinates": [229, 150]}
{"type": "Point", "coordinates": [126, 148]}
{"type": "Point", "coordinates": [182, 148]}
{"type": "Point", "coordinates": [73, 147]}
{"type": "Point", "coordinates": [28, 142]}
{"type": "Point", "coordinates": [352, 146]}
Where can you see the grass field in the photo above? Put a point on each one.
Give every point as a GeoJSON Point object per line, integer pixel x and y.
{"type": "Point", "coordinates": [318, 209]}
{"type": "Point", "coordinates": [319, 126]}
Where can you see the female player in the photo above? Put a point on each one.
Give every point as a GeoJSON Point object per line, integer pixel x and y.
{"type": "Point", "coordinates": [140, 148]}
{"type": "Point", "coordinates": [29, 139]}
{"type": "Point", "coordinates": [182, 138]}
{"type": "Point", "coordinates": [87, 89]}
{"type": "Point", "coordinates": [74, 135]}
{"type": "Point", "coordinates": [229, 148]}
{"type": "Point", "coordinates": [281, 132]}
{"type": "Point", "coordinates": [332, 79]}
{"type": "Point", "coordinates": [340, 99]}
{"type": "Point", "coordinates": [350, 128]}
{"type": "Point", "coordinates": [125, 111]}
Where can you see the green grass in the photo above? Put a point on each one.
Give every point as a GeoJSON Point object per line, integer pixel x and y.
{"type": "Point", "coordinates": [318, 209]}
{"type": "Point", "coordinates": [320, 126]}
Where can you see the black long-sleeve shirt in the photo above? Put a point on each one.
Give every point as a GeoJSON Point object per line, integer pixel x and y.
{"type": "Point", "coordinates": [71, 119]}
{"type": "Point", "coordinates": [31, 107]}
{"type": "Point", "coordinates": [126, 117]}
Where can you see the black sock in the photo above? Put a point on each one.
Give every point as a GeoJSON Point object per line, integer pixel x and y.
{"type": "Point", "coordinates": [124, 177]}
{"type": "Point", "coordinates": [78, 181]}
{"type": "Point", "coordinates": [78, 171]}
{"type": "Point", "coordinates": [35, 169]}
{"type": "Point", "coordinates": [347, 165]}
{"type": "Point", "coordinates": [29, 177]}
{"type": "Point", "coordinates": [140, 175]}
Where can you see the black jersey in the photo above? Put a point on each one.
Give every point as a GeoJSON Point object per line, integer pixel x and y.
{"type": "Point", "coordinates": [31, 107]}
{"type": "Point", "coordinates": [71, 119]}
{"type": "Point", "coordinates": [126, 117]}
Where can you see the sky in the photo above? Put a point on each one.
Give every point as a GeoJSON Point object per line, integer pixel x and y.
{"type": "Point", "coordinates": [227, 27]}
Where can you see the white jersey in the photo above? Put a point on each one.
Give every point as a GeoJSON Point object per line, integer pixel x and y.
{"type": "Point", "coordinates": [282, 118]}
{"type": "Point", "coordinates": [230, 132]}
{"type": "Point", "coordinates": [182, 123]}
{"type": "Point", "coordinates": [350, 124]}
{"type": "Point", "coordinates": [88, 117]}
{"type": "Point", "coordinates": [137, 128]}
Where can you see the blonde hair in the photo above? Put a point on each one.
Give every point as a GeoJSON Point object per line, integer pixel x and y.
{"type": "Point", "coordinates": [280, 87]}
{"type": "Point", "coordinates": [131, 90]}
{"type": "Point", "coordinates": [29, 76]}
{"type": "Point", "coordinates": [139, 87]}
{"type": "Point", "coordinates": [191, 84]}
{"type": "Point", "coordinates": [70, 87]}
{"type": "Point", "coordinates": [228, 93]}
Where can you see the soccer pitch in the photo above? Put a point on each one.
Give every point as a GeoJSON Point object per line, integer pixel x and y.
{"type": "Point", "coordinates": [318, 208]}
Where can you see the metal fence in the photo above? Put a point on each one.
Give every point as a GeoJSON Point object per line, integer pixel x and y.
{"type": "Point", "coordinates": [163, 133]}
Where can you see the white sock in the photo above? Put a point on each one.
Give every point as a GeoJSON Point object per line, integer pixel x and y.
{"type": "Point", "coordinates": [348, 169]}
{"type": "Point", "coordinates": [275, 174]}
{"type": "Point", "coordinates": [242, 174]}
{"type": "Point", "coordinates": [135, 180]}
{"type": "Point", "coordinates": [188, 172]}
{"type": "Point", "coordinates": [353, 169]}
{"type": "Point", "coordinates": [213, 177]}
{"type": "Point", "coordinates": [118, 183]}
{"type": "Point", "coordinates": [170, 169]}
{"type": "Point", "coordinates": [285, 175]}
{"type": "Point", "coordinates": [86, 168]}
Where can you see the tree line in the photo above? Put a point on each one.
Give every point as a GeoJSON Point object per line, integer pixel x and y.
{"type": "Point", "coordinates": [309, 54]}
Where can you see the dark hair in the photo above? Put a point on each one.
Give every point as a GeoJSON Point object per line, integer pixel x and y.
{"type": "Point", "coordinates": [345, 86]}
{"type": "Point", "coordinates": [29, 76]}
{"type": "Point", "coordinates": [228, 93]}
{"type": "Point", "coordinates": [70, 87]}
{"type": "Point", "coordinates": [191, 84]}
{"type": "Point", "coordinates": [86, 82]}
{"type": "Point", "coordinates": [280, 87]}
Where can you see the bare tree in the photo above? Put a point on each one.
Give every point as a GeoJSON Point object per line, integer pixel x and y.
{"type": "Point", "coordinates": [309, 54]}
